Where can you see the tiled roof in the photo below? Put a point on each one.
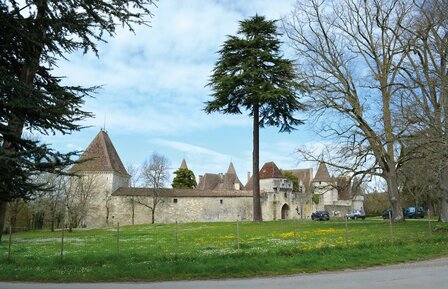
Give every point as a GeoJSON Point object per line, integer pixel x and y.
{"type": "Point", "coordinates": [250, 184]}
{"type": "Point", "coordinates": [208, 181]}
{"type": "Point", "coordinates": [181, 192]}
{"type": "Point", "coordinates": [100, 156]}
{"type": "Point", "coordinates": [322, 174]}
{"type": "Point", "coordinates": [270, 171]}
{"type": "Point", "coordinates": [220, 181]}
{"type": "Point", "coordinates": [304, 175]}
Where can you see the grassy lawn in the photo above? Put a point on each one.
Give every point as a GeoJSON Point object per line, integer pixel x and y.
{"type": "Point", "coordinates": [210, 250]}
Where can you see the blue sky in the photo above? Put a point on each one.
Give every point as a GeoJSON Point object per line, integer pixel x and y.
{"type": "Point", "coordinates": [154, 89]}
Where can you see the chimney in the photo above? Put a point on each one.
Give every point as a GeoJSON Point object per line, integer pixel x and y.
{"type": "Point", "coordinates": [200, 178]}
{"type": "Point", "coordinates": [248, 176]}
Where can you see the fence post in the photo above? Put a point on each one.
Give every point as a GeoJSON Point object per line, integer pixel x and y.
{"type": "Point", "coordinates": [429, 222]}
{"type": "Point", "coordinates": [346, 231]}
{"type": "Point", "coordinates": [177, 238]}
{"type": "Point", "coordinates": [10, 242]}
{"type": "Point", "coordinates": [118, 238]}
{"type": "Point", "coordinates": [295, 231]}
{"type": "Point", "coordinates": [238, 232]}
{"type": "Point", "coordinates": [62, 240]}
{"type": "Point", "coordinates": [390, 227]}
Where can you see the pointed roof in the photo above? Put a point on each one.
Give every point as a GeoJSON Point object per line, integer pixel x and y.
{"type": "Point", "coordinates": [225, 181]}
{"type": "Point", "coordinates": [231, 169]}
{"type": "Point", "coordinates": [183, 165]}
{"type": "Point", "coordinates": [270, 171]}
{"type": "Point", "coordinates": [100, 156]}
{"type": "Point", "coordinates": [322, 174]}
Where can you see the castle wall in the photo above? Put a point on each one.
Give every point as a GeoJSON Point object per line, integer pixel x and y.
{"type": "Point", "coordinates": [99, 208]}
{"type": "Point", "coordinates": [182, 209]}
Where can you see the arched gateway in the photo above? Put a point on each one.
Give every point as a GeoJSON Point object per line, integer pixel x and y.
{"type": "Point", "coordinates": [285, 212]}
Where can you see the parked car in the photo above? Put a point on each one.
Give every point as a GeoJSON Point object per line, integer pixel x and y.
{"type": "Point", "coordinates": [387, 213]}
{"type": "Point", "coordinates": [320, 215]}
{"type": "Point", "coordinates": [356, 214]}
{"type": "Point", "coordinates": [414, 212]}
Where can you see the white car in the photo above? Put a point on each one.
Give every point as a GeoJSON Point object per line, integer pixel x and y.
{"type": "Point", "coordinates": [356, 214]}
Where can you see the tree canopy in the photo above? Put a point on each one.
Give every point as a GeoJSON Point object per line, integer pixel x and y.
{"type": "Point", "coordinates": [35, 34]}
{"type": "Point", "coordinates": [252, 75]}
{"type": "Point", "coordinates": [184, 179]}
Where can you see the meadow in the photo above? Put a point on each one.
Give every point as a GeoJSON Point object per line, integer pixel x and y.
{"type": "Point", "coordinates": [217, 250]}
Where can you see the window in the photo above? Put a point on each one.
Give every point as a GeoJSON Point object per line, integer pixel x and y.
{"type": "Point", "coordinates": [286, 195]}
{"type": "Point", "coordinates": [221, 201]}
{"type": "Point", "coordinates": [175, 201]}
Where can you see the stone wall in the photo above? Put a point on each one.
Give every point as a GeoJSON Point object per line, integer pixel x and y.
{"type": "Point", "coordinates": [182, 209]}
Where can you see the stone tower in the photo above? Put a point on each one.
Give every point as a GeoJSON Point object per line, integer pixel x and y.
{"type": "Point", "coordinates": [103, 169]}
{"type": "Point", "coordinates": [324, 186]}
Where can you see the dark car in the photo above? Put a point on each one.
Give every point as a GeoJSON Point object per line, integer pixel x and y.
{"type": "Point", "coordinates": [387, 213]}
{"type": "Point", "coordinates": [320, 215]}
{"type": "Point", "coordinates": [414, 212]}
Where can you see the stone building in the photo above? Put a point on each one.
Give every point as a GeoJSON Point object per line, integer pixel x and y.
{"type": "Point", "coordinates": [218, 197]}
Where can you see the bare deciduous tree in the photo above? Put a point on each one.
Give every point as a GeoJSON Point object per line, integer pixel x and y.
{"type": "Point", "coordinates": [426, 70]}
{"type": "Point", "coordinates": [134, 172]}
{"type": "Point", "coordinates": [154, 174]}
{"type": "Point", "coordinates": [78, 194]}
{"type": "Point", "coordinates": [350, 55]}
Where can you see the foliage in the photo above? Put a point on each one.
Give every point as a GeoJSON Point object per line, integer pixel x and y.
{"type": "Point", "coordinates": [251, 75]}
{"type": "Point", "coordinates": [209, 250]}
{"type": "Point", "coordinates": [376, 203]}
{"type": "Point", "coordinates": [184, 179]}
{"type": "Point", "coordinates": [316, 198]}
{"type": "Point", "coordinates": [293, 179]}
{"type": "Point", "coordinates": [35, 34]}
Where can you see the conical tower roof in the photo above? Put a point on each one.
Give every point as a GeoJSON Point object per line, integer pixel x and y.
{"type": "Point", "coordinates": [100, 156]}
{"type": "Point", "coordinates": [322, 174]}
{"type": "Point", "coordinates": [183, 165]}
{"type": "Point", "coordinates": [231, 169]}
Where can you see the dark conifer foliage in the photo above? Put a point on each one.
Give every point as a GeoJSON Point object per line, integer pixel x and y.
{"type": "Point", "coordinates": [184, 179]}
{"type": "Point", "coordinates": [34, 35]}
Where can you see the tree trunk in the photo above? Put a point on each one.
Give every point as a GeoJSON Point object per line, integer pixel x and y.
{"type": "Point", "coordinates": [255, 165]}
{"type": "Point", "coordinates": [394, 197]}
{"type": "Point", "coordinates": [153, 213]}
{"type": "Point", "coordinates": [444, 195]}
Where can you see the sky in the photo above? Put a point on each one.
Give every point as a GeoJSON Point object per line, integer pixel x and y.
{"type": "Point", "coordinates": [154, 86]}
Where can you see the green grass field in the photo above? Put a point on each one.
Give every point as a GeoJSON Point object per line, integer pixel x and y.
{"type": "Point", "coordinates": [210, 250]}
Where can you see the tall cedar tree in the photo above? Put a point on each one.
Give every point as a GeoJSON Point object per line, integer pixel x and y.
{"type": "Point", "coordinates": [252, 75]}
{"type": "Point", "coordinates": [35, 34]}
{"type": "Point", "coordinates": [184, 179]}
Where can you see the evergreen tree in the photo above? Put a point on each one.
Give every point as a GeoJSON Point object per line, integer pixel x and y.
{"type": "Point", "coordinates": [184, 179]}
{"type": "Point", "coordinates": [252, 75]}
{"type": "Point", "coordinates": [35, 34]}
